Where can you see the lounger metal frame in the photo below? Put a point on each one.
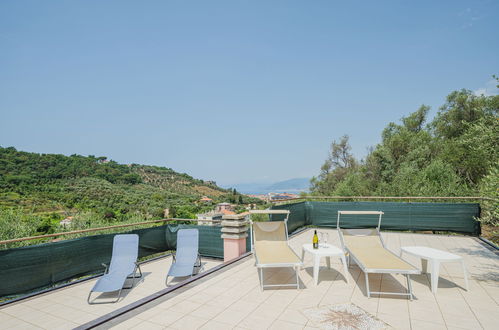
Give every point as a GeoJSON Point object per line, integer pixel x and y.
{"type": "Point", "coordinates": [296, 266]}
{"type": "Point", "coordinates": [366, 270]}
{"type": "Point", "coordinates": [197, 265]}
{"type": "Point", "coordinates": [133, 275]}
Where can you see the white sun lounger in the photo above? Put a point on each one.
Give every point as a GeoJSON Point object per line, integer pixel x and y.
{"type": "Point", "coordinates": [269, 243]}
{"type": "Point", "coordinates": [123, 265]}
{"type": "Point", "coordinates": [186, 258]}
{"type": "Point", "coordinates": [367, 249]}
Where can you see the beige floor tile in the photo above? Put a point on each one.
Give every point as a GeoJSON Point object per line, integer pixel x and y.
{"type": "Point", "coordinates": [396, 321]}
{"type": "Point", "coordinates": [231, 316]}
{"type": "Point", "coordinates": [201, 297]}
{"type": "Point", "coordinates": [189, 322]}
{"type": "Point", "coordinates": [127, 324]}
{"type": "Point", "coordinates": [185, 306]}
{"type": "Point", "coordinates": [207, 311]}
{"type": "Point", "coordinates": [24, 326]}
{"type": "Point", "coordinates": [8, 323]}
{"type": "Point", "coordinates": [18, 310]}
{"type": "Point", "coordinates": [51, 322]}
{"type": "Point", "coordinates": [64, 326]}
{"type": "Point", "coordinates": [244, 306]}
{"type": "Point", "coordinates": [283, 325]}
{"type": "Point", "coordinates": [166, 318]}
{"type": "Point", "coordinates": [256, 322]}
{"type": "Point", "coordinates": [293, 316]}
{"type": "Point", "coordinates": [427, 325]}
{"type": "Point", "coordinates": [147, 325]}
{"type": "Point", "coordinates": [458, 321]}
{"type": "Point", "coordinates": [214, 325]}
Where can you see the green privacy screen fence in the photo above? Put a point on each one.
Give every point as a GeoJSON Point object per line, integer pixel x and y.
{"type": "Point", "coordinates": [455, 217]}
{"type": "Point", "coordinates": [28, 268]}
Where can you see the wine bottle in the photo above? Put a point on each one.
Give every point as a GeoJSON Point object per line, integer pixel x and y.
{"type": "Point", "coordinates": [315, 240]}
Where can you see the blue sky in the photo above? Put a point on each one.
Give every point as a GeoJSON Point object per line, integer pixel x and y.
{"type": "Point", "coordinates": [232, 91]}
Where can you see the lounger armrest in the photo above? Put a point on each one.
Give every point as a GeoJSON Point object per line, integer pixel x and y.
{"type": "Point", "coordinates": [106, 267]}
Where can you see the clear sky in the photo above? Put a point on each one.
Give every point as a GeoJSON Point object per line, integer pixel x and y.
{"type": "Point", "coordinates": [232, 91]}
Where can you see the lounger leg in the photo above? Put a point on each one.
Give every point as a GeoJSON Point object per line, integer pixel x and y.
{"type": "Point", "coordinates": [345, 268]}
{"type": "Point", "coordinates": [297, 279]}
{"type": "Point", "coordinates": [198, 264]}
{"type": "Point", "coordinates": [137, 267]}
{"type": "Point", "coordinates": [88, 299]}
{"type": "Point", "coordinates": [133, 279]}
{"type": "Point", "coordinates": [119, 295]}
{"type": "Point", "coordinates": [465, 273]}
{"type": "Point", "coordinates": [140, 271]}
{"type": "Point", "coordinates": [261, 278]}
{"type": "Point", "coordinates": [409, 287]}
{"type": "Point", "coordinates": [367, 286]}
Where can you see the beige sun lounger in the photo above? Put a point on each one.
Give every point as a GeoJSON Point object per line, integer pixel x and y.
{"type": "Point", "coordinates": [368, 251]}
{"type": "Point", "coordinates": [269, 243]}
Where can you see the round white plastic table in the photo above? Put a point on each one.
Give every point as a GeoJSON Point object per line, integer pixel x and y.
{"type": "Point", "coordinates": [436, 257]}
{"type": "Point", "coordinates": [324, 250]}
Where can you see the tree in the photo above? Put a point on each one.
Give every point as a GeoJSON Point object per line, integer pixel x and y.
{"type": "Point", "coordinates": [462, 107]}
{"type": "Point", "coordinates": [339, 162]}
{"type": "Point", "coordinates": [447, 157]}
{"type": "Point", "coordinates": [489, 188]}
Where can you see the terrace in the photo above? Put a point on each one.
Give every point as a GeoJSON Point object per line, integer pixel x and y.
{"type": "Point", "coordinates": [230, 297]}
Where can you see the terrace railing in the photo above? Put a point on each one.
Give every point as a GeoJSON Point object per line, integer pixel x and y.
{"type": "Point", "coordinates": [44, 265]}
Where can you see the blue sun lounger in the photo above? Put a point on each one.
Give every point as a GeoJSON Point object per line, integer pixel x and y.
{"type": "Point", "coordinates": [123, 265]}
{"type": "Point", "coordinates": [186, 258]}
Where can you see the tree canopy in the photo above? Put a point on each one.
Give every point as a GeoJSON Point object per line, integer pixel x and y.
{"type": "Point", "coordinates": [455, 154]}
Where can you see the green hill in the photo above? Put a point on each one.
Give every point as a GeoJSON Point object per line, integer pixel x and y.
{"type": "Point", "coordinates": [48, 187]}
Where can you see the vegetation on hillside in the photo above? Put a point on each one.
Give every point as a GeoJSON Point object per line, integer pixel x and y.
{"type": "Point", "coordinates": [455, 154]}
{"type": "Point", "coordinates": [37, 191]}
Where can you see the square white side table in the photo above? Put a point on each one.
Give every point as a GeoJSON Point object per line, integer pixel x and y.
{"type": "Point", "coordinates": [435, 257]}
{"type": "Point", "coordinates": [328, 251]}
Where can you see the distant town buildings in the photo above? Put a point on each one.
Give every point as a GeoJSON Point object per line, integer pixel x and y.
{"type": "Point", "coordinates": [213, 183]}
{"type": "Point", "coordinates": [220, 210]}
{"type": "Point", "coordinates": [206, 199]}
{"type": "Point", "coordinates": [275, 196]}
{"type": "Point", "coordinates": [281, 196]}
{"type": "Point", "coordinates": [225, 208]}
{"type": "Point", "coordinates": [209, 216]}
{"type": "Point", "coordinates": [66, 222]}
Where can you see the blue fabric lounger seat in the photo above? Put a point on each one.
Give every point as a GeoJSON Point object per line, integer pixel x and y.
{"type": "Point", "coordinates": [123, 265]}
{"type": "Point", "coordinates": [187, 256]}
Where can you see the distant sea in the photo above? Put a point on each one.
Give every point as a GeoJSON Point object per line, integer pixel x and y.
{"type": "Point", "coordinates": [294, 186]}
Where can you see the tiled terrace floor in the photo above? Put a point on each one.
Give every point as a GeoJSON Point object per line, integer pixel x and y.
{"type": "Point", "coordinates": [231, 298]}
{"type": "Point", "coordinates": [67, 308]}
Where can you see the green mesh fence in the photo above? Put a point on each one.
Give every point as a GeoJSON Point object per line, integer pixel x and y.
{"type": "Point", "coordinates": [33, 267]}
{"type": "Point", "coordinates": [455, 217]}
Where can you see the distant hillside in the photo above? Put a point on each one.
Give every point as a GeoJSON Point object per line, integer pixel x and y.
{"type": "Point", "coordinates": [295, 185]}
{"type": "Point", "coordinates": [71, 184]}
{"type": "Point", "coordinates": [291, 185]}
